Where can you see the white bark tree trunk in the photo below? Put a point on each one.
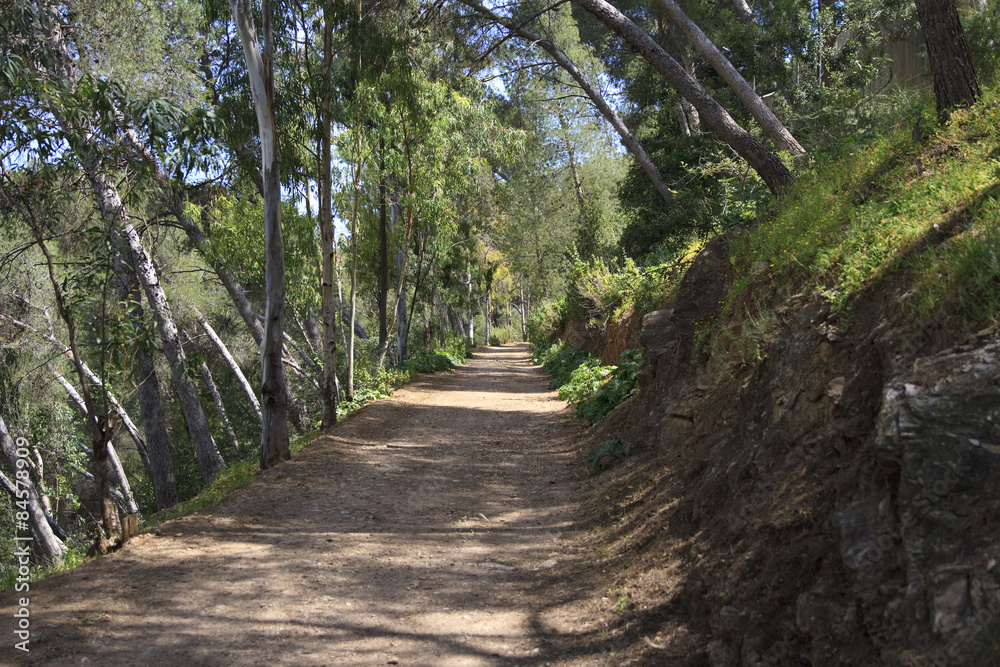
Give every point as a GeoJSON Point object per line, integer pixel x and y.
{"type": "Point", "coordinates": [158, 461]}
{"type": "Point", "coordinates": [48, 547]}
{"type": "Point", "coordinates": [231, 362]}
{"type": "Point", "coordinates": [631, 143]}
{"type": "Point", "coordinates": [764, 162]}
{"type": "Point", "coordinates": [274, 404]}
{"type": "Point", "coordinates": [209, 460]}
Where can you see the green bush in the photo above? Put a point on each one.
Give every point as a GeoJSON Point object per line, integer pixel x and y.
{"type": "Point", "coordinates": [610, 448]}
{"type": "Point", "coordinates": [560, 359]}
{"type": "Point", "coordinates": [614, 391]}
{"type": "Point", "coordinates": [584, 381]}
{"type": "Point", "coordinates": [431, 361]}
{"type": "Point", "coordinates": [545, 322]}
{"type": "Point", "coordinates": [595, 390]}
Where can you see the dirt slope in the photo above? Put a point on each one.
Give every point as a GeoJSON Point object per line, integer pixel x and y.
{"type": "Point", "coordinates": [440, 527]}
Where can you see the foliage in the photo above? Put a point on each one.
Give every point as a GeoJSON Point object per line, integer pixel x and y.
{"type": "Point", "coordinates": [595, 390]}
{"type": "Point", "coordinates": [560, 359]}
{"type": "Point", "coordinates": [609, 450]}
{"type": "Point", "coordinates": [584, 381]}
{"type": "Point", "coordinates": [983, 32]}
{"type": "Point", "coordinates": [924, 210]}
{"type": "Point", "coordinates": [445, 357]}
{"type": "Point", "coordinates": [619, 386]}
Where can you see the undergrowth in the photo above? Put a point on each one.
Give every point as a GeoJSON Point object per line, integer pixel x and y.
{"type": "Point", "coordinates": [926, 209]}
{"type": "Point", "coordinates": [595, 390]}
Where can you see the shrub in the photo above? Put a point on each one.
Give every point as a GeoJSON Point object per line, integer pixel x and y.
{"type": "Point", "coordinates": [595, 390]}
{"type": "Point", "coordinates": [619, 386]}
{"type": "Point", "coordinates": [584, 381]}
{"type": "Point", "coordinates": [610, 448]}
{"type": "Point", "coordinates": [560, 360]}
{"type": "Point", "coordinates": [431, 361]}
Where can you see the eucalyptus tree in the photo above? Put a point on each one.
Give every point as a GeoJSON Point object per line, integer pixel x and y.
{"type": "Point", "coordinates": [585, 83]}
{"type": "Point", "coordinates": [259, 59]}
{"type": "Point", "coordinates": [82, 112]}
{"type": "Point", "coordinates": [763, 161]}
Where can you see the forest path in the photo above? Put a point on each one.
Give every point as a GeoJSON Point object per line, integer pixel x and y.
{"type": "Point", "coordinates": [438, 527]}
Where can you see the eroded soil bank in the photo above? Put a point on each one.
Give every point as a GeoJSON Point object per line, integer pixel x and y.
{"type": "Point", "coordinates": [440, 527]}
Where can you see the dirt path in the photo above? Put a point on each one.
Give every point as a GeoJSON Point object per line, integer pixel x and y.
{"type": "Point", "coordinates": [439, 527]}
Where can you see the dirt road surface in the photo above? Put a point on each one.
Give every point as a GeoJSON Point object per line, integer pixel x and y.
{"type": "Point", "coordinates": [439, 527]}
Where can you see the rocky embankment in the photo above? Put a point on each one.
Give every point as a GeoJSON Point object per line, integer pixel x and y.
{"type": "Point", "coordinates": [836, 502]}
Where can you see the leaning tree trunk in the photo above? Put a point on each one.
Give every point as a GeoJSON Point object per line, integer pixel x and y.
{"type": "Point", "coordinates": [764, 162]}
{"type": "Point", "coordinates": [231, 362]}
{"type": "Point", "coordinates": [97, 422]}
{"type": "Point", "coordinates": [773, 127]}
{"type": "Point", "coordinates": [48, 547]}
{"type": "Point", "coordinates": [124, 236]}
{"type": "Point", "coordinates": [161, 467]}
{"type": "Point", "coordinates": [115, 468]}
{"type": "Point", "coordinates": [209, 460]}
{"type": "Point", "coordinates": [956, 83]}
{"type": "Point", "coordinates": [274, 404]}
{"type": "Point", "coordinates": [631, 143]}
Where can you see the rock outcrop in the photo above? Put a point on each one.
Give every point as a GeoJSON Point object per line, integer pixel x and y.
{"type": "Point", "coordinates": [837, 499]}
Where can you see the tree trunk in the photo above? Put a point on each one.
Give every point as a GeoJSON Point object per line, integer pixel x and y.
{"type": "Point", "coordinates": [328, 386]}
{"type": "Point", "coordinates": [472, 322]}
{"type": "Point", "coordinates": [956, 83]}
{"type": "Point", "coordinates": [402, 327]}
{"type": "Point", "coordinates": [489, 317]}
{"type": "Point", "coordinates": [382, 295]}
{"type": "Point", "coordinates": [402, 323]}
{"type": "Point", "coordinates": [773, 127]}
{"type": "Point", "coordinates": [354, 270]}
{"type": "Point", "coordinates": [631, 143]}
{"type": "Point", "coordinates": [118, 474]}
{"type": "Point", "coordinates": [220, 407]}
{"type": "Point", "coordinates": [743, 12]}
{"type": "Point", "coordinates": [231, 362]}
{"type": "Point", "coordinates": [760, 159]}
{"type": "Point", "coordinates": [209, 460]}
{"type": "Point", "coordinates": [130, 426]}
{"type": "Point", "coordinates": [161, 467]}
{"type": "Point", "coordinates": [123, 234]}
{"type": "Point", "coordinates": [98, 422]}
{"type": "Point", "coordinates": [274, 403]}
{"type": "Point", "coordinates": [523, 309]}
{"type": "Point", "coordinates": [47, 546]}
{"type": "Point", "coordinates": [115, 469]}
{"type": "Point", "coordinates": [456, 314]}
{"type": "Point", "coordinates": [157, 442]}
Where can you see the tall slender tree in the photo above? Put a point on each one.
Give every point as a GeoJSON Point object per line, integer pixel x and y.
{"type": "Point", "coordinates": [259, 59]}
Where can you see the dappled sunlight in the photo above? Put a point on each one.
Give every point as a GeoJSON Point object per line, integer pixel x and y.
{"type": "Point", "coordinates": [431, 528]}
